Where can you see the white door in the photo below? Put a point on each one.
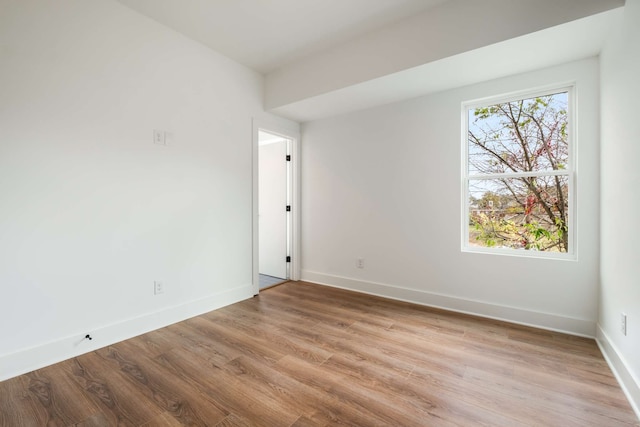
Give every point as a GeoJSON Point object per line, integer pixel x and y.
{"type": "Point", "coordinates": [272, 202]}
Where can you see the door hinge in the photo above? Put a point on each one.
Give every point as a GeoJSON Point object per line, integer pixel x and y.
{"type": "Point", "coordinates": [288, 258]}
{"type": "Point", "coordinates": [288, 157]}
{"type": "Point", "coordinates": [288, 208]}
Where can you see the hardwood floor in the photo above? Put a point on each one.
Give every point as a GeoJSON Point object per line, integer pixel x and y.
{"type": "Point", "coordinates": [307, 355]}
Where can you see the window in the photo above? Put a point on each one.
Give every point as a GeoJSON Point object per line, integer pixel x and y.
{"type": "Point", "coordinates": [518, 175]}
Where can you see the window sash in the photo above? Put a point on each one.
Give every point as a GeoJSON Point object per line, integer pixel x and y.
{"type": "Point", "coordinates": [558, 172]}
{"type": "Point", "coordinates": [569, 171]}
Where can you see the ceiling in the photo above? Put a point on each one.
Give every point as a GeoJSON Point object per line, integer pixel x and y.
{"type": "Point", "coordinates": [581, 39]}
{"type": "Point", "coordinates": [326, 57]}
{"type": "Point", "coordinates": [267, 34]}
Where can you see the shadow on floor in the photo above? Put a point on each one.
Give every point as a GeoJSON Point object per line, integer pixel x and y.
{"type": "Point", "coordinates": [268, 281]}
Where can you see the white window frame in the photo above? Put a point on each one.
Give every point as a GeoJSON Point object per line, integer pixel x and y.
{"type": "Point", "coordinates": [570, 170]}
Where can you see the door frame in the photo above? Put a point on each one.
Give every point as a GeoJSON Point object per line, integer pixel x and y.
{"type": "Point", "coordinates": [294, 231]}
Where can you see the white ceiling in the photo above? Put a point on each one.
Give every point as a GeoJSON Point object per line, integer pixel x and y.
{"type": "Point", "coordinates": [581, 39]}
{"type": "Point", "coordinates": [335, 55]}
{"type": "Point", "coordinates": [267, 34]}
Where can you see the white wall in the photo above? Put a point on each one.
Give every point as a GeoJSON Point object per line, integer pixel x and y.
{"type": "Point", "coordinates": [384, 184]}
{"type": "Point", "coordinates": [620, 187]}
{"type": "Point", "coordinates": [91, 211]}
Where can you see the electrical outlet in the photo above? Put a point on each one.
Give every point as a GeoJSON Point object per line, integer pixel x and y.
{"type": "Point", "coordinates": [623, 323]}
{"type": "Point", "coordinates": [158, 288]}
{"type": "Point", "coordinates": [360, 263]}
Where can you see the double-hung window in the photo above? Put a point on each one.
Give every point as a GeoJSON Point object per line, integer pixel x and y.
{"type": "Point", "coordinates": [518, 174]}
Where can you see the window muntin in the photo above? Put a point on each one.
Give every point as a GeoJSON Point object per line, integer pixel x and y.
{"type": "Point", "coordinates": [518, 175]}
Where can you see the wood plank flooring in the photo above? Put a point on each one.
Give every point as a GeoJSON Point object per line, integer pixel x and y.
{"type": "Point", "coordinates": [307, 355]}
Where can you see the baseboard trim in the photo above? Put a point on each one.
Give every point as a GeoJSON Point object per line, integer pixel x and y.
{"type": "Point", "coordinates": [629, 384]}
{"type": "Point", "coordinates": [27, 360]}
{"type": "Point", "coordinates": [548, 321]}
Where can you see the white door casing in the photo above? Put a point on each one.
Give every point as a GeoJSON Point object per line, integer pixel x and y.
{"type": "Point", "coordinates": [293, 135]}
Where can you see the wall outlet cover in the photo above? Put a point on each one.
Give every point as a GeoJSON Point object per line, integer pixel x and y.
{"type": "Point", "coordinates": [158, 287]}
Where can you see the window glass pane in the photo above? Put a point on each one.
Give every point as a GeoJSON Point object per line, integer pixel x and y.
{"type": "Point", "coordinates": [527, 135]}
{"type": "Point", "coordinates": [520, 213]}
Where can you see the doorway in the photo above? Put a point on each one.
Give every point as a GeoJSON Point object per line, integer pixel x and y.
{"type": "Point", "coordinates": [274, 208]}
{"type": "Point", "coordinates": [275, 129]}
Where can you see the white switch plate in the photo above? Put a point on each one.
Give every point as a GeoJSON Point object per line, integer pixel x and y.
{"type": "Point", "coordinates": [360, 263]}
{"type": "Point", "coordinates": [623, 323]}
{"type": "Point", "coordinates": [159, 137]}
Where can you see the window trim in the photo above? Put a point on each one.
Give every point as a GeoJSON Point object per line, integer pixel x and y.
{"type": "Point", "coordinates": [570, 171]}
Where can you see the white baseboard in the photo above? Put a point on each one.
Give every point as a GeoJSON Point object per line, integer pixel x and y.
{"type": "Point", "coordinates": [553, 322]}
{"type": "Point", "coordinates": [629, 384]}
{"type": "Point", "coordinates": [27, 360]}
